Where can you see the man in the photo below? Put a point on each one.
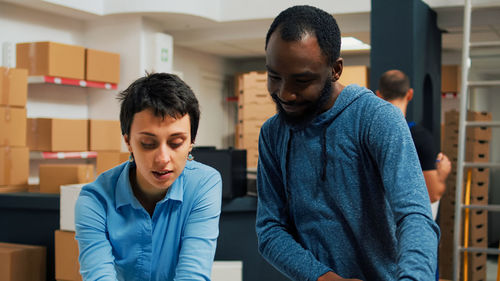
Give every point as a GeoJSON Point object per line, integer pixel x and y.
{"type": "Point", "coordinates": [341, 194]}
{"type": "Point", "coordinates": [394, 87]}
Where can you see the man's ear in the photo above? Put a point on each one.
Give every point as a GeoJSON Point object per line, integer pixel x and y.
{"type": "Point", "coordinates": [337, 68]}
{"type": "Point", "coordinates": [409, 95]}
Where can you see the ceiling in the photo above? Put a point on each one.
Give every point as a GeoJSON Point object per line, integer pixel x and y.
{"type": "Point", "coordinates": [244, 39]}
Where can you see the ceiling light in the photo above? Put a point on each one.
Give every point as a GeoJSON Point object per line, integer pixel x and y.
{"type": "Point", "coordinates": [351, 43]}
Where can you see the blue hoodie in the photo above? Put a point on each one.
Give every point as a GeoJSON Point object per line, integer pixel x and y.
{"type": "Point", "coordinates": [345, 194]}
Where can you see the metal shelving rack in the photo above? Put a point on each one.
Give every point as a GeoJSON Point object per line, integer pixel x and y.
{"type": "Point", "coordinates": [466, 87]}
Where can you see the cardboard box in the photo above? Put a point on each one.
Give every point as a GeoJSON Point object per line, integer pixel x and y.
{"type": "Point", "coordinates": [355, 74]}
{"type": "Point", "coordinates": [69, 195]}
{"type": "Point", "coordinates": [12, 126]}
{"type": "Point", "coordinates": [248, 141]}
{"type": "Point", "coordinates": [450, 79]}
{"type": "Point", "coordinates": [477, 151]}
{"type": "Point", "coordinates": [451, 132]}
{"type": "Point", "coordinates": [254, 97]}
{"type": "Point", "coordinates": [66, 254]}
{"type": "Point", "coordinates": [256, 111]}
{"type": "Point", "coordinates": [479, 189]}
{"type": "Point", "coordinates": [52, 176]}
{"type": "Point", "coordinates": [13, 188]}
{"type": "Point", "coordinates": [50, 134]}
{"type": "Point", "coordinates": [13, 86]}
{"type": "Point", "coordinates": [478, 236]}
{"type": "Point", "coordinates": [52, 59]}
{"type": "Point", "coordinates": [451, 118]}
{"type": "Point", "coordinates": [481, 175]}
{"type": "Point", "coordinates": [478, 116]}
{"type": "Point", "coordinates": [478, 133]}
{"type": "Point", "coordinates": [14, 165]}
{"type": "Point", "coordinates": [102, 66]}
{"type": "Point", "coordinates": [252, 158]}
{"type": "Point", "coordinates": [104, 135]}
{"type": "Point", "coordinates": [477, 259]}
{"type": "Point", "coordinates": [252, 81]}
{"type": "Point", "coordinates": [20, 262]}
{"type": "Point", "coordinates": [478, 217]}
{"type": "Point", "coordinates": [109, 159]}
{"type": "Point", "coordinates": [249, 127]}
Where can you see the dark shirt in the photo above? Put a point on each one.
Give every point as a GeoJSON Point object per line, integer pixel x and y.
{"type": "Point", "coordinates": [424, 144]}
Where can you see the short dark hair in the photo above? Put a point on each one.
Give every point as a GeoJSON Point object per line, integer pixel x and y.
{"type": "Point", "coordinates": [393, 84]}
{"type": "Point", "coordinates": [297, 21]}
{"type": "Point", "coordinates": [164, 94]}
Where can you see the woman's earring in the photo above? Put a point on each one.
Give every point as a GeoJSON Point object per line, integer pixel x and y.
{"type": "Point", "coordinates": [131, 157]}
{"type": "Point", "coordinates": [190, 157]}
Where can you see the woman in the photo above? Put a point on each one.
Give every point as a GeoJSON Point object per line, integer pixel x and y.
{"type": "Point", "coordinates": [156, 216]}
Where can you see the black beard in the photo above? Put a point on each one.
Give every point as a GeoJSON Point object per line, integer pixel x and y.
{"type": "Point", "coordinates": [313, 109]}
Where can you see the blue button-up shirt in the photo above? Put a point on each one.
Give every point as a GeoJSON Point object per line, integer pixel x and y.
{"type": "Point", "coordinates": [119, 240]}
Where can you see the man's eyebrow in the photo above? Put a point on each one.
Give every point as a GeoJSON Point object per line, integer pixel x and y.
{"type": "Point", "coordinates": [296, 75]}
{"type": "Point", "coordinates": [305, 74]}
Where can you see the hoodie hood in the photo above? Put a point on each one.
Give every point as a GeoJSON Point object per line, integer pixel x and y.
{"type": "Point", "coordinates": [348, 95]}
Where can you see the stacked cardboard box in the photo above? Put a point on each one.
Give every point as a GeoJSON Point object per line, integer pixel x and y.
{"type": "Point", "coordinates": [477, 150]}
{"type": "Point", "coordinates": [68, 61]}
{"type": "Point", "coordinates": [19, 262]}
{"type": "Point", "coordinates": [255, 106]}
{"type": "Point", "coordinates": [66, 247]}
{"type": "Point", "coordinates": [52, 176]}
{"type": "Point", "coordinates": [450, 79]}
{"type": "Point", "coordinates": [355, 74]}
{"type": "Point", "coordinates": [57, 135]}
{"type": "Point", "coordinates": [52, 59]}
{"type": "Point", "coordinates": [102, 66]}
{"type": "Point", "coordinates": [14, 154]}
{"type": "Point", "coordinates": [66, 254]}
{"type": "Point", "coordinates": [105, 138]}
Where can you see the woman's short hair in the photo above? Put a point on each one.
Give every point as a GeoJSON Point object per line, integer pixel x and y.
{"type": "Point", "coordinates": [163, 94]}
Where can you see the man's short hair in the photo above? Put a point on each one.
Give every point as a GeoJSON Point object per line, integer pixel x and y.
{"type": "Point", "coordinates": [393, 84]}
{"type": "Point", "coordinates": [162, 93]}
{"type": "Point", "coordinates": [297, 21]}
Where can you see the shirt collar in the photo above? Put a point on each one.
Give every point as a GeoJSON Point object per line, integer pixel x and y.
{"type": "Point", "coordinates": [125, 196]}
{"type": "Point", "coordinates": [123, 191]}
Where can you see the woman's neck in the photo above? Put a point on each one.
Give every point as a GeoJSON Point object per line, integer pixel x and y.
{"type": "Point", "coordinates": [147, 200]}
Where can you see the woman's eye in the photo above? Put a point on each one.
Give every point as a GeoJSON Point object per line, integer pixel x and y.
{"type": "Point", "coordinates": [176, 144]}
{"type": "Point", "coordinates": [148, 145]}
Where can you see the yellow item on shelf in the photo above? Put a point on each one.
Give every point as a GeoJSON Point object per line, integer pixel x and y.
{"type": "Point", "coordinates": [466, 226]}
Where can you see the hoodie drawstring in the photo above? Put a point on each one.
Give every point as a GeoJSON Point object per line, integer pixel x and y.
{"type": "Point", "coordinates": [324, 159]}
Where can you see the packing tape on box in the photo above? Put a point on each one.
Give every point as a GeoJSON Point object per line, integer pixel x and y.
{"type": "Point", "coordinates": [5, 86]}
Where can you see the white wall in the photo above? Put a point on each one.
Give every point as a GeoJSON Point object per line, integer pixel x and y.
{"type": "Point", "coordinates": [25, 25]}
{"type": "Point", "coordinates": [119, 34]}
{"type": "Point", "coordinates": [207, 76]}
{"type": "Point", "coordinates": [128, 35]}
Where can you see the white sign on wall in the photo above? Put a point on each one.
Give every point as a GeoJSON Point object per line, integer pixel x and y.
{"type": "Point", "coordinates": [164, 53]}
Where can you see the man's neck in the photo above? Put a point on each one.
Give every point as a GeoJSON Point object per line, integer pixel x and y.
{"type": "Point", "coordinates": [401, 104]}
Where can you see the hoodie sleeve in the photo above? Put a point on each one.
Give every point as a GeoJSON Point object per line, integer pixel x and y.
{"type": "Point", "coordinates": [392, 147]}
{"type": "Point", "coordinates": [274, 233]}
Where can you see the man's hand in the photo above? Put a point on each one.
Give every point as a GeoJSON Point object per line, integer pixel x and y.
{"type": "Point", "coordinates": [443, 166]}
{"type": "Point", "coordinates": [330, 276]}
